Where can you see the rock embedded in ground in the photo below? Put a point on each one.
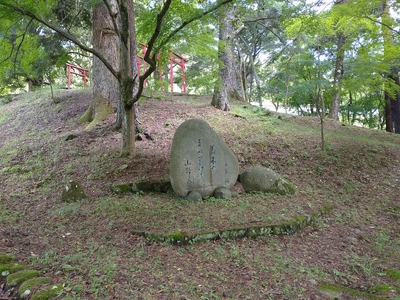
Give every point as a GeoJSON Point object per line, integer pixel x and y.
{"type": "Point", "coordinates": [73, 192]}
{"type": "Point", "coordinates": [200, 160]}
{"type": "Point", "coordinates": [262, 179]}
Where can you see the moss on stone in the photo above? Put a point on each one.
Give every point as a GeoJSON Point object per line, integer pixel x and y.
{"type": "Point", "coordinates": [48, 293]}
{"type": "Point", "coordinates": [5, 258]}
{"type": "Point", "coordinates": [27, 286]}
{"type": "Point", "coordinates": [276, 230]}
{"type": "Point", "coordinates": [283, 187]}
{"type": "Point", "coordinates": [142, 186]}
{"type": "Point", "coordinates": [176, 237]}
{"type": "Point", "coordinates": [123, 188]}
{"type": "Point", "coordinates": [254, 232]}
{"type": "Point", "coordinates": [301, 219]}
{"type": "Point", "coordinates": [21, 276]}
{"type": "Point", "coordinates": [205, 236]}
{"type": "Point", "coordinates": [8, 269]}
{"type": "Point", "coordinates": [233, 233]}
{"type": "Point", "coordinates": [73, 192]}
{"type": "Point", "coordinates": [336, 289]}
{"type": "Point", "coordinates": [152, 186]}
{"type": "Point", "coordinates": [285, 228]}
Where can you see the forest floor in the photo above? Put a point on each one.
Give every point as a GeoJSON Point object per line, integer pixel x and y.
{"type": "Point", "coordinates": [350, 252]}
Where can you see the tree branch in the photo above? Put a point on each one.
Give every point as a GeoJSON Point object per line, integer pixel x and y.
{"type": "Point", "coordinates": [381, 23]}
{"type": "Point", "coordinates": [185, 23]}
{"type": "Point", "coordinates": [257, 20]}
{"type": "Point", "coordinates": [23, 38]}
{"type": "Point", "coordinates": [151, 60]}
{"type": "Point", "coordinates": [60, 31]}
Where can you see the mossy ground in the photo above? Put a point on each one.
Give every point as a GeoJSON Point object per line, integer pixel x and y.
{"type": "Point", "coordinates": [352, 245]}
{"type": "Point", "coordinates": [21, 276]}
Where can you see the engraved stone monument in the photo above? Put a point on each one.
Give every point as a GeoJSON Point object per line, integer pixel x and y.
{"type": "Point", "coordinates": [200, 160]}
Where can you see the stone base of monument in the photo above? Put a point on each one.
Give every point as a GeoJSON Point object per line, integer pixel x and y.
{"type": "Point", "coordinates": [193, 196]}
{"type": "Point", "coordinates": [222, 193]}
{"type": "Point", "coordinates": [219, 193]}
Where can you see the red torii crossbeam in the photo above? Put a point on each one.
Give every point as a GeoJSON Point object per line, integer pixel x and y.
{"type": "Point", "coordinates": [75, 70]}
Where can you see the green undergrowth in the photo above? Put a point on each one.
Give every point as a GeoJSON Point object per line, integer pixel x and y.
{"type": "Point", "coordinates": [394, 274]}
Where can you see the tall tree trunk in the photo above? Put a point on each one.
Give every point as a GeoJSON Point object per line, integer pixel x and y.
{"type": "Point", "coordinates": [257, 79]}
{"type": "Point", "coordinates": [392, 95]}
{"type": "Point", "coordinates": [128, 132]}
{"type": "Point", "coordinates": [388, 113]}
{"type": "Point", "coordinates": [395, 102]}
{"type": "Point", "coordinates": [106, 95]}
{"type": "Point", "coordinates": [337, 79]}
{"type": "Point", "coordinates": [220, 99]}
{"type": "Point", "coordinates": [338, 75]}
{"type": "Point", "coordinates": [128, 76]}
{"type": "Point", "coordinates": [226, 88]}
{"type": "Point", "coordinates": [242, 77]}
{"type": "Point", "coordinates": [254, 72]}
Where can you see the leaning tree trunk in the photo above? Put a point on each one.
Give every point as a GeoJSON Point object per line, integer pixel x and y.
{"type": "Point", "coordinates": [106, 95]}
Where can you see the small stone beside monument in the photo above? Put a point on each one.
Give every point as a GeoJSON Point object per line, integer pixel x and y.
{"type": "Point", "coordinates": [262, 179]}
{"type": "Point", "coordinates": [200, 161]}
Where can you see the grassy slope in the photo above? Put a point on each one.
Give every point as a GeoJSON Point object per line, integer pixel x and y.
{"type": "Point", "coordinates": [353, 246]}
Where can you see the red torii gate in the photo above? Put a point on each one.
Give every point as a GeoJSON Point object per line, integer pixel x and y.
{"type": "Point", "coordinates": [174, 58]}
{"type": "Point", "coordinates": [71, 70]}
{"type": "Point", "coordinates": [181, 62]}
